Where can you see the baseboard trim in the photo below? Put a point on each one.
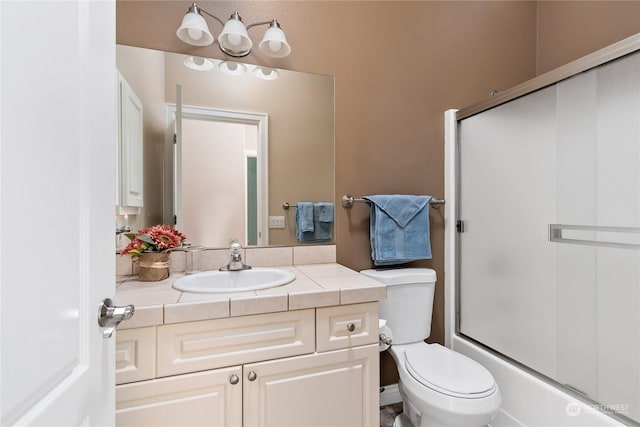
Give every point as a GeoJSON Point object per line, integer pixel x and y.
{"type": "Point", "coordinates": [389, 394]}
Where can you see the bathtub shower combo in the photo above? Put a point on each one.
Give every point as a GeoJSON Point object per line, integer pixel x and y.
{"type": "Point", "coordinates": [544, 286]}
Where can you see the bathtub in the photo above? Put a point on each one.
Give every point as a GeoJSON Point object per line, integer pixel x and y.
{"type": "Point", "coordinates": [528, 400]}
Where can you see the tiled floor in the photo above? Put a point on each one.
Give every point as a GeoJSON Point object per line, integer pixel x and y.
{"type": "Point", "coordinates": [388, 414]}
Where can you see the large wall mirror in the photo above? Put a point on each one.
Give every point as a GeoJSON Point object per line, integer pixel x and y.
{"type": "Point", "coordinates": [249, 138]}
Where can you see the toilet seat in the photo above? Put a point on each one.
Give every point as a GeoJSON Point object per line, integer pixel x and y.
{"type": "Point", "coordinates": [448, 372]}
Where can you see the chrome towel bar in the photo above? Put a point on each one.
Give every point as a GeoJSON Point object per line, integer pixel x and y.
{"type": "Point", "coordinates": [348, 201]}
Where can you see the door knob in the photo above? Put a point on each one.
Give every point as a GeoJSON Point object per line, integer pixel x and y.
{"type": "Point", "coordinates": [110, 316]}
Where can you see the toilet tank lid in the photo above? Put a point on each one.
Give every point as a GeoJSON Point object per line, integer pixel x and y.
{"type": "Point", "coordinates": [397, 276]}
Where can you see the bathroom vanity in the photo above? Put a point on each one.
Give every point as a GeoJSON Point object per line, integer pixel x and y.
{"type": "Point", "coordinates": [302, 354]}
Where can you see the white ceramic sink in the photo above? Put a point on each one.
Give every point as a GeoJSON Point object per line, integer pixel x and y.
{"type": "Point", "coordinates": [214, 282]}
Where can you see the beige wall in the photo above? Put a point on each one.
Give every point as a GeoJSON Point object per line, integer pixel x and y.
{"type": "Point", "coordinates": [398, 66]}
{"type": "Point", "coordinates": [568, 30]}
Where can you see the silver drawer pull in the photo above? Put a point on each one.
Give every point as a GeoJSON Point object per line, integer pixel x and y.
{"type": "Point", "coordinates": [351, 327]}
{"type": "Point", "coordinates": [252, 376]}
{"type": "Point", "coordinates": [234, 379]}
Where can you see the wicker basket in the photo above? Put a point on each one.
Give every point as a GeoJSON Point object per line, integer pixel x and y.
{"type": "Point", "coordinates": [153, 266]}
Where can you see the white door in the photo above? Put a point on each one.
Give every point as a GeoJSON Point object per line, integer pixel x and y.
{"type": "Point", "coordinates": [57, 133]}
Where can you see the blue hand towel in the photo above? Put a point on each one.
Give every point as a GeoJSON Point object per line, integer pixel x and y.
{"type": "Point", "coordinates": [399, 228]}
{"type": "Point", "coordinates": [304, 217]}
{"type": "Point", "coordinates": [321, 226]}
{"type": "Point", "coordinates": [323, 221]}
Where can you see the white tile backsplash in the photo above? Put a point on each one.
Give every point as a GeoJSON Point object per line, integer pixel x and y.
{"type": "Point", "coordinates": [213, 259]}
{"type": "Point", "coordinates": [269, 257]}
{"type": "Point", "coordinates": [319, 254]}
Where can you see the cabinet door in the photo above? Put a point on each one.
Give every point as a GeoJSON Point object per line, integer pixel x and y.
{"type": "Point", "coordinates": [202, 399]}
{"type": "Point", "coordinates": [131, 134]}
{"type": "Point", "coordinates": [338, 388]}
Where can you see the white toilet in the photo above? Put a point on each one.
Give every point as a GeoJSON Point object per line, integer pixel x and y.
{"type": "Point", "coordinates": [439, 387]}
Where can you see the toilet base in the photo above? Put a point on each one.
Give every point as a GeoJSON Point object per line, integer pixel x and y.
{"type": "Point", "coordinates": [411, 416]}
{"type": "Point", "coordinates": [401, 420]}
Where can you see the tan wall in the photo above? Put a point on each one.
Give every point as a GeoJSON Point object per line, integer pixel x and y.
{"type": "Point", "coordinates": [398, 66]}
{"type": "Point", "coordinates": [568, 30]}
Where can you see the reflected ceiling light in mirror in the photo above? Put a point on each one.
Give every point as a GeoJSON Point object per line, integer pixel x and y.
{"type": "Point", "coordinates": [198, 63]}
{"type": "Point", "coordinates": [233, 68]}
{"type": "Point", "coordinates": [234, 39]}
{"type": "Point", "coordinates": [266, 73]}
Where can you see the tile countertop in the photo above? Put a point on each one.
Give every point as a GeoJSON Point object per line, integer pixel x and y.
{"type": "Point", "coordinates": [315, 285]}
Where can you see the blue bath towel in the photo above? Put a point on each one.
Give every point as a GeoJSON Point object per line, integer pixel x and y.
{"type": "Point", "coordinates": [321, 229]}
{"type": "Point", "coordinates": [399, 228]}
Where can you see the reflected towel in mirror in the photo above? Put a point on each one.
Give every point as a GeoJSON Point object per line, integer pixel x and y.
{"type": "Point", "coordinates": [321, 228]}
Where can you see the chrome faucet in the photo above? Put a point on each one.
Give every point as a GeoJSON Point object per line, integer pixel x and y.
{"type": "Point", "coordinates": [235, 263]}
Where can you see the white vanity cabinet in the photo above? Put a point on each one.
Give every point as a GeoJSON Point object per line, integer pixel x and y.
{"type": "Point", "coordinates": [129, 190]}
{"type": "Point", "coordinates": [260, 370]}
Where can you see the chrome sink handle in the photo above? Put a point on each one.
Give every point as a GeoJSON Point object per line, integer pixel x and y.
{"type": "Point", "coordinates": [110, 316]}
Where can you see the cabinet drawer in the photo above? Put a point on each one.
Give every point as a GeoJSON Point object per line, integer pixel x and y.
{"type": "Point", "coordinates": [346, 326]}
{"type": "Point", "coordinates": [210, 344]}
{"type": "Point", "coordinates": [135, 354]}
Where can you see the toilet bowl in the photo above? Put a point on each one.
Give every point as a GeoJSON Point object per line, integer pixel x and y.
{"type": "Point", "coordinates": [442, 387]}
{"type": "Point", "coordinates": [438, 386]}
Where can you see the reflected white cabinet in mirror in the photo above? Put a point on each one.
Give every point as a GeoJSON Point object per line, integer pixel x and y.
{"type": "Point", "coordinates": [129, 189]}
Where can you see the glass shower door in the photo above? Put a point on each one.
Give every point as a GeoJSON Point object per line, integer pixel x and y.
{"type": "Point", "coordinates": [550, 253]}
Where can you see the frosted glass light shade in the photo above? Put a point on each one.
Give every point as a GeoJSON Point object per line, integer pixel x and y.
{"type": "Point", "coordinates": [194, 30]}
{"type": "Point", "coordinates": [234, 39]}
{"type": "Point", "coordinates": [274, 43]}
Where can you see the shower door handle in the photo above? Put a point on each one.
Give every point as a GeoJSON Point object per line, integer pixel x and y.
{"type": "Point", "coordinates": [616, 237]}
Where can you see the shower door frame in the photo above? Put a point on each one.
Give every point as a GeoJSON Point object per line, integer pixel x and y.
{"type": "Point", "coordinates": [452, 190]}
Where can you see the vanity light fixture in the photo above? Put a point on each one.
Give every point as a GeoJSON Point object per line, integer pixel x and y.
{"type": "Point", "coordinates": [234, 39]}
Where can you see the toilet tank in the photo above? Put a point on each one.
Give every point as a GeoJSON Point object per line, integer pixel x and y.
{"type": "Point", "coordinates": [409, 303]}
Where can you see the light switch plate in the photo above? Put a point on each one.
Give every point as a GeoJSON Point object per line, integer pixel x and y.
{"type": "Point", "coordinates": [276, 222]}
